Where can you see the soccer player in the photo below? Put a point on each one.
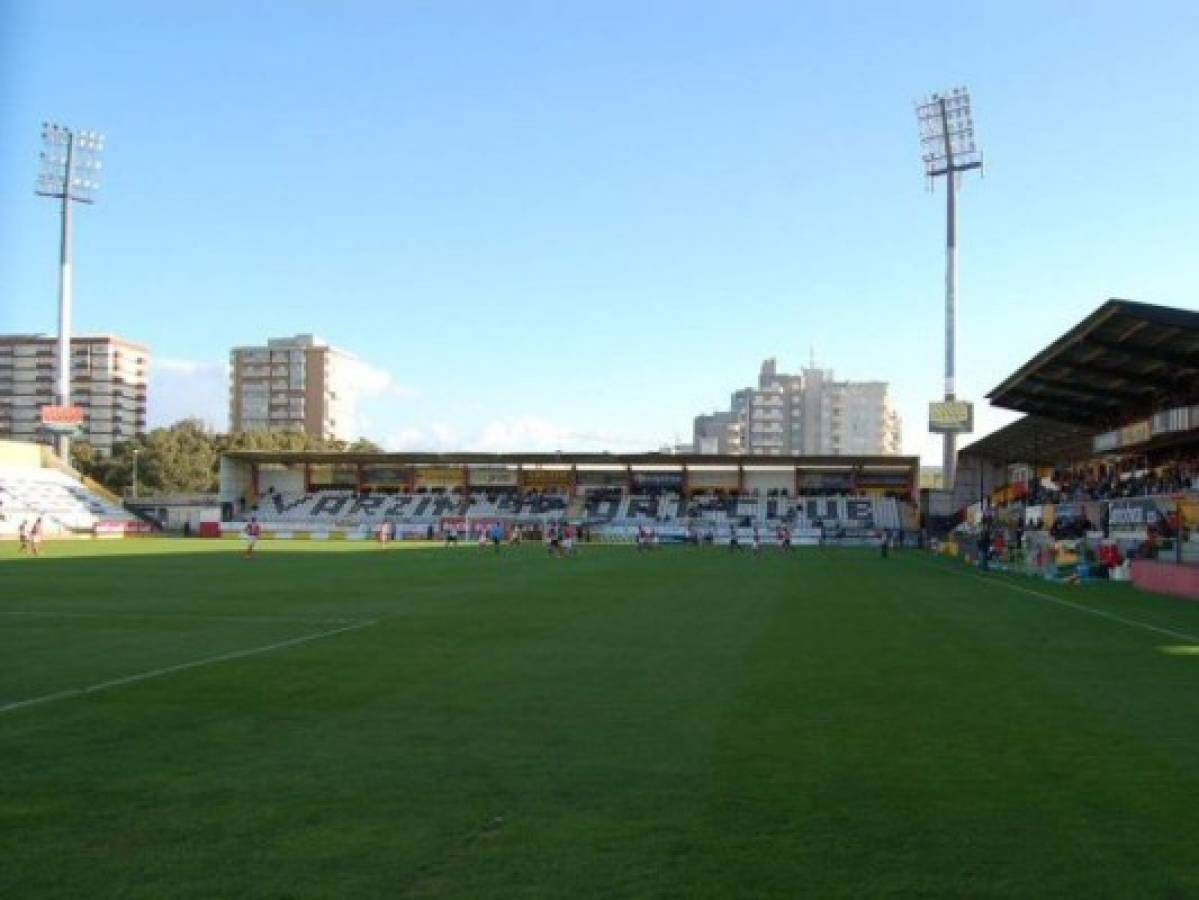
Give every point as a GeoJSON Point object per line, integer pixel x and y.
{"type": "Point", "coordinates": [757, 542]}
{"type": "Point", "coordinates": [23, 534]}
{"type": "Point", "coordinates": [250, 534]}
{"type": "Point", "coordinates": [35, 537]}
{"type": "Point", "coordinates": [568, 542]}
{"type": "Point", "coordinates": [734, 544]}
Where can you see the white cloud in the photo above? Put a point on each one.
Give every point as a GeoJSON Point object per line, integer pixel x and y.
{"type": "Point", "coordinates": [373, 381]}
{"type": "Point", "coordinates": [372, 394]}
{"type": "Point", "coordinates": [537, 434]}
{"type": "Point", "coordinates": [511, 434]}
{"type": "Point", "coordinates": [186, 388]}
{"type": "Point", "coordinates": [435, 436]}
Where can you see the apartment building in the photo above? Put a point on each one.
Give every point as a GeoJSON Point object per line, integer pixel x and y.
{"type": "Point", "coordinates": [298, 383]}
{"type": "Point", "coordinates": [811, 413]}
{"type": "Point", "coordinates": [109, 377]}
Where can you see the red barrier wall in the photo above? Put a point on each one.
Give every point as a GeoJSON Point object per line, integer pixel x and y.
{"type": "Point", "coordinates": [1166, 578]}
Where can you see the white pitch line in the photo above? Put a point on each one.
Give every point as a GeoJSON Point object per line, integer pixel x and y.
{"type": "Point", "coordinates": [1069, 604]}
{"type": "Point", "coordinates": [204, 617]}
{"type": "Point", "coordinates": [182, 667]}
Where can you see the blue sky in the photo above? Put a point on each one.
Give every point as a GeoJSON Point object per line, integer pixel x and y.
{"type": "Point", "coordinates": [576, 225]}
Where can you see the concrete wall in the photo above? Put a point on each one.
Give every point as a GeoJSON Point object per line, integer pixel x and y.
{"type": "Point", "coordinates": [285, 481]}
{"type": "Point", "coordinates": [712, 478]}
{"type": "Point", "coordinates": [234, 480]}
{"type": "Point", "coordinates": [1166, 578]}
{"type": "Point", "coordinates": [20, 454]}
{"type": "Point", "coordinates": [763, 481]}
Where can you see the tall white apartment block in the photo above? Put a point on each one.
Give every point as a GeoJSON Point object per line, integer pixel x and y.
{"type": "Point", "coordinates": [806, 414]}
{"type": "Point", "coordinates": [296, 383]}
{"type": "Point", "coordinates": [109, 378]}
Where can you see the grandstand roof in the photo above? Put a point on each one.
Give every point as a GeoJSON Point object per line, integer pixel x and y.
{"type": "Point", "coordinates": [1123, 361]}
{"type": "Point", "coordinates": [571, 459]}
{"type": "Point", "coordinates": [1034, 439]}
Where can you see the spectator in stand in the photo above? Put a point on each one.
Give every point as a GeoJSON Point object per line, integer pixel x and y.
{"type": "Point", "coordinates": [1109, 556]}
{"type": "Point", "coordinates": [1132, 476]}
{"type": "Point", "coordinates": [984, 546]}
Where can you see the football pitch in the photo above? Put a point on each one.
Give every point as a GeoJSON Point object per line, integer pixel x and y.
{"type": "Point", "coordinates": [349, 721]}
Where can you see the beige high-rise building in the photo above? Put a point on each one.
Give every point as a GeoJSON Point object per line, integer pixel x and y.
{"type": "Point", "coordinates": [292, 384]}
{"type": "Point", "coordinates": [806, 414]}
{"type": "Point", "coordinates": [108, 382]}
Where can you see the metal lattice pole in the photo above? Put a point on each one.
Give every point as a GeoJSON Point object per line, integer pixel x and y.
{"type": "Point", "coordinates": [69, 173]}
{"type": "Point", "coordinates": [63, 392]}
{"type": "Point", "coordinates": [947, 140]}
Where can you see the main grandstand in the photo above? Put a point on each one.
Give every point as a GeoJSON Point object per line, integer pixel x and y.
{"type": "Point", "coordinates": [681, 497]}
{"type": "Point", "coordinates": [1108, 450]}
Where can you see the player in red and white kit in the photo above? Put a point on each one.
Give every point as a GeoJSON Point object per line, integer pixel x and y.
{"type": "Point", "coordinates": [251, 533]}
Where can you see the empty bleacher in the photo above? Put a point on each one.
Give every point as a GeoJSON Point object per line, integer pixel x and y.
{"type": "Point", "coordinates": [63, 504]}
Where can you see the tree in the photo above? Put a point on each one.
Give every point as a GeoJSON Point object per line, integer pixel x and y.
{"type": "Point", "coordinates": [181, 459]}
{"type": "Point", "coordinates": [277, 440]}
{"type": "Point", "coordinates": [185, 457]}
{"type": "Point", "coordinates": [85, 459]}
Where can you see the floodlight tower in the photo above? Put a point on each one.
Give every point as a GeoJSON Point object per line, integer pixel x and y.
{"type": "Point", "coordinates": [948, 148]}
{"type": "Point", "coordinates": [69, 172]}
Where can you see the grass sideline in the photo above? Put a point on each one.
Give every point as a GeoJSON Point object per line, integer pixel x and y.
{"type": "Point", "coordinates": [687, 723]}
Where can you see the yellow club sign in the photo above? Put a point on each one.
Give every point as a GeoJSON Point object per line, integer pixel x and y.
{"type": "Point", "coordinates": [951, 417]}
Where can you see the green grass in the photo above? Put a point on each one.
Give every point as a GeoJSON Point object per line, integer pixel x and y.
{"type": "Point", "coordinates": [681, 724]}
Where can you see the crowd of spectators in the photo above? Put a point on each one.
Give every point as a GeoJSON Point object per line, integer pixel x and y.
{"type": "Point", "coordinates": [1067, 529]}
{"type": "Point", "coordinates": [1112, 481]}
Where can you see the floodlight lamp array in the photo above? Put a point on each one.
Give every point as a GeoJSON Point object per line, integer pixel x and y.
{"type": "Point", "coordinates": [947, 140]}
{"type": "Point", "coordinates": [70, 163]}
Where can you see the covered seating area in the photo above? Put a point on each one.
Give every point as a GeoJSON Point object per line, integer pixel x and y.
{"type": "Point", "coordinates": [1108, 449]}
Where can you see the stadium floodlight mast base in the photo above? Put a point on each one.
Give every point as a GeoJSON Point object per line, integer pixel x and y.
{"type": "Point", "coordinates": [69, 171]}
{"type": "Point", "coordinates": [948, 148]}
